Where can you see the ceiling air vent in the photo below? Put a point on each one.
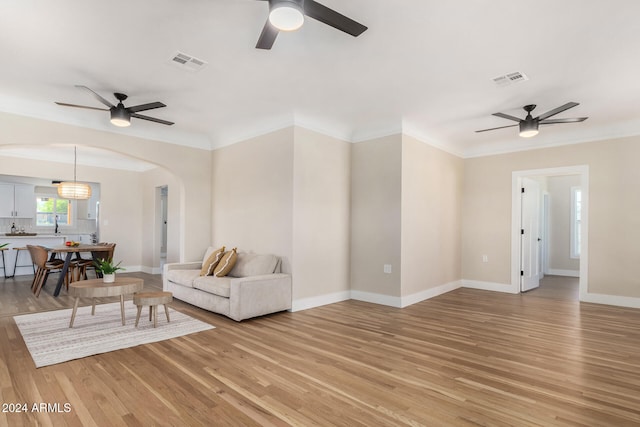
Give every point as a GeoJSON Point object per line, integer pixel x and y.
{"type": "Point", "coordinates": [510, 78]}
{"type": "Point", "coordinates": [187, 62]}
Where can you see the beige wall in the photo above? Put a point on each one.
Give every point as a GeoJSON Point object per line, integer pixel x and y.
{"type": "Point", "coordinates": [287, 193]}
{"type": "Point", "coordinates": [190, 166]}
{"type": "Point", "coordinates": [613, 211]}
{"type": "Point", "coordinates": [376, 181]}
{"type": "Point", "coordinates": [321, 206]}
{"type": "Point", "coordinates": [252, 185]}
{"type": "Point", "coordinates": [559, 190]}
{"type": "Point", "coordinates": [431, 204]}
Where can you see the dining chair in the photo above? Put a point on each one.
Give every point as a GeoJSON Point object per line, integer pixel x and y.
{"type": "Point", "coordinates": [39, 256]}
{"type": "Point", "coordinates": [87, 264]}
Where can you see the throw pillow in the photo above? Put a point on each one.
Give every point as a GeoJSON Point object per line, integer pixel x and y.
{"type": "Point", "coordinates": [226, 263]}
{"type": "Point", "coordinates": [210, 264]}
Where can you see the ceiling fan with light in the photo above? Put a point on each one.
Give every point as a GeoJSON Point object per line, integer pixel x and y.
{"type": "Point", "coordinates": [529, 125]}
{"type": "Point", "coordinates": [121, 115]}
{"type": "Point", "coordinates": [288, 15]}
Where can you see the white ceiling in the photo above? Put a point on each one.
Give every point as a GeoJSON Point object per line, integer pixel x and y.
{"type": "Point", "coordinates": [424, 67]}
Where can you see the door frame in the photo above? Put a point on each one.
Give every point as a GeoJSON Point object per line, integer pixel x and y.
{"type": "Point", "coordinates": [516, 219]}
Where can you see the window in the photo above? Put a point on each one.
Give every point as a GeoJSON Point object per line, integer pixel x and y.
{"type": "Point", "coordinates": [48, 207]}
{"type": "Point", "coordinates": [576, 206]}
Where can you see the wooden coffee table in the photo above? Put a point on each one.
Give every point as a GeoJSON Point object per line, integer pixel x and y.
{"type": "Point", "coordinates": [95, 288]}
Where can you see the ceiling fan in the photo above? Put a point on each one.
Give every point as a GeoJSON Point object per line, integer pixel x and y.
{"type": "Point", "coordinates": [288, 15]}
{"type": "Point", "coordinates": [529, 125]}
{"type": "Point", "coordinates": [121, 115]}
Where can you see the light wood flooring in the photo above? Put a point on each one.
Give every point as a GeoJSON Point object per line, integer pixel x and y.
{"type": "Point", "coordinates": [466, 358]}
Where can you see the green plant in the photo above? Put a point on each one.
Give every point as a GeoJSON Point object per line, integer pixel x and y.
{"type": "Point", "coordinates": [3, 245]}
{"type": "Point", "coordinates": [106, 266]}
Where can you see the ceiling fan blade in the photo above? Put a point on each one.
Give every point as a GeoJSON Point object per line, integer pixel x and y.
{"type": "Point", "coordinates": [501, 127]}
{"type": "Point", "coordinates": [557, 110]}
{"type": "Point", "coordinates": [267, 37]}
{"type": "Point", "coordinates": [64, 104]}
{"type": "Point", "coordinates": [555, 121]}
{"type": "Point", "coordinates": [330, 17]}
{"type": "Point", "coordinates": [97, 96]}
{"type": "Point", "coordinates": [151, 119]}
{"type": "Point", "coordinates": [144, 107]}
{"type": "Point", "coordinates": [506, 116]}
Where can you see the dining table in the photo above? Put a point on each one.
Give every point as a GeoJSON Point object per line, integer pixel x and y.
{"type": "Point", "coordinates": [95, 251]}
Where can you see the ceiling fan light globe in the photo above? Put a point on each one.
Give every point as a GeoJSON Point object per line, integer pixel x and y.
{"type": "Point", "coordinates": [528, 133]}
{"type": "Point", "coordinates": [286, 16]}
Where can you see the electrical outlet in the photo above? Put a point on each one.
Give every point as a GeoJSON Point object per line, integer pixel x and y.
{"type": "Point", "coordinates": [387, 268]}
{"type": "Point", "coordinates": [485, 258]}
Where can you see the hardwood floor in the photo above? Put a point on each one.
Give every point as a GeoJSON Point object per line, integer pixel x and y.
{"type": "Point", "coordinates": [466, 358]}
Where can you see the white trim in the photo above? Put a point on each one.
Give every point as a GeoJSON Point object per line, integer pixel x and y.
{"type": "Point", "coordinates": [420, 136]}
{"type": "Point", "coordinates": [516, 184]}
{"type": "Point", "coordinates": [381, 299]}
{"type": "Point", "coordinates": [631, 302]}
{"type": "Point", "coordinates": [560, 272]}
{"type": "Point", "coordinates": [150, 270]}
{"type": "Point", "coordinates": [312, 302]}
{"type": "Point", "coordinates": [490, 286]}
{"type": "Point", "coordinates": [429, 293]}
{"type": "Point", "coordinates": [135, 269]}
{"type": "Point", "coordinates": [374, 298]}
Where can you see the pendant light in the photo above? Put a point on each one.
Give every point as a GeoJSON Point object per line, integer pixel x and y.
{"type": "Point", "coordinates": [73, 189]}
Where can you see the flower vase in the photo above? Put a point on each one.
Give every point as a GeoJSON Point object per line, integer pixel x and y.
{"type": "Point", "coordinates": [109, 278]}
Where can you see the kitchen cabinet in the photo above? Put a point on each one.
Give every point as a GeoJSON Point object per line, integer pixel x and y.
{"type": "Point", "coordinates": [86, 209]}
{"type": "Point", "coordinates": [17, 201]}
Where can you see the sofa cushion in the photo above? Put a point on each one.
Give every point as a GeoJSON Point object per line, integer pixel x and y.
{"type": "Point", "coordinates": [226, 263]}
{"type": "Point", "coordinates": [183, 277]}
{"type": "Point", "coordinates": [210, 263]}
{"type": "Point", "coordinates": [254, 265]}
{"type": "Point", "coordinates": [213, 285]}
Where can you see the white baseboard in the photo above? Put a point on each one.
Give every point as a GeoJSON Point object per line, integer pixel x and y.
{"type": "Point", "coordinates": [631, 302]}
{"type": "Point", "coordinates": [490, 286]}
{"type": "Point", "coordinates": [429, 293]}
{"type": "Point", "coordinates": [381, 299]}
{"type": "Point", "coordinates": [388, 300]}
{"type": "Point", "coordinates": [136, 269]}
{"type": "Point", "coordinates": [559, 272]}
{"type": "Point", "coordinates": [311, 302]}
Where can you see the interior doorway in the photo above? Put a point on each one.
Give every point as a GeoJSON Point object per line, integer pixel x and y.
{"type": "Point", "coordinates": [162, 203]}
{"type": "Point", "coordinates": [527, 254]}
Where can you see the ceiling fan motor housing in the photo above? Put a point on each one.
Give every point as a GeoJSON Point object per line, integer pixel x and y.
{"type": "Point", "coordinates": [120, 116]}
{"type": "Point", "coordinates": [528, 126]}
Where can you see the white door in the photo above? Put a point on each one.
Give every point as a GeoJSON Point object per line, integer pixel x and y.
{"type": "Point", "coordinates": [530, 235]}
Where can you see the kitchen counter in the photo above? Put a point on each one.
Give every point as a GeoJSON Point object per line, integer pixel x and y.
{"type": "Point", "coordinates": [29, 236]}
{"type": "Point", "coordinates": [18, 263]}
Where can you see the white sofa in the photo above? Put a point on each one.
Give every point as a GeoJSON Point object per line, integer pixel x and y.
{"type": "Point", "coordinates": [254, 287]}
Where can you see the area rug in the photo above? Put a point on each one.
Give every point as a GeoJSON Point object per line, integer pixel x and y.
{"type": "Point", "coordinates": [50, 340]}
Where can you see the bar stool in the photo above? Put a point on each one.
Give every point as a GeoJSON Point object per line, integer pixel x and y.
{"type": "Point", "coordinates": [4, 264]}
{"type": "Point", "coordinates": [15, 264]}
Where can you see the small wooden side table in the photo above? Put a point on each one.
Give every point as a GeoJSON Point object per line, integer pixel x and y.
{"type": "Point", "coordinates": [152, 299]}
{"type": "Point", "coordinates": [95, 288]}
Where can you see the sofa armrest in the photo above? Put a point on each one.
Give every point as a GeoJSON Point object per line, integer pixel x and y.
{"type": "Point", "coordinates": [258, 295]}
